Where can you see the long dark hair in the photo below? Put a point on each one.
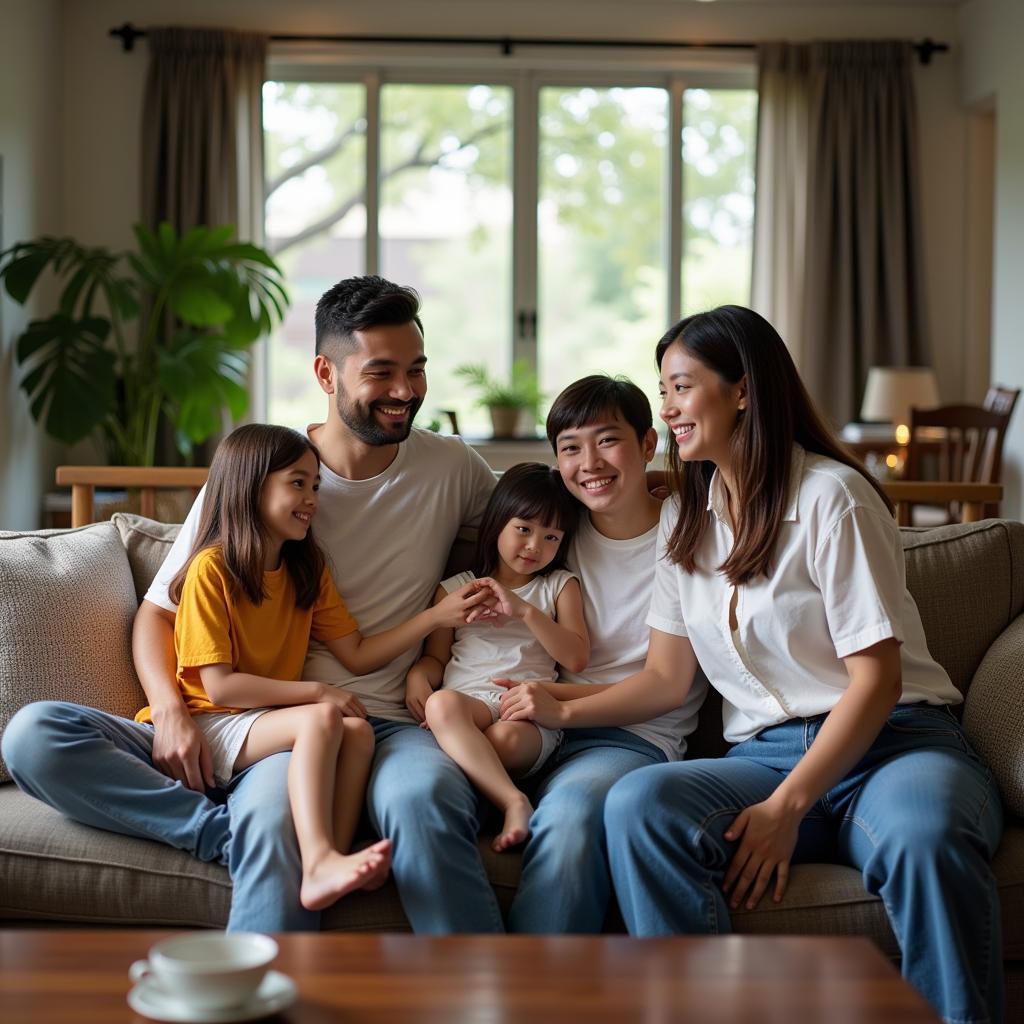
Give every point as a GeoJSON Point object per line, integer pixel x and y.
{"type": "Point", "coordinates": [736, 342]}
{"type": "Point", "coordinates": [230, 518]}
{"type": "Point", "coordinates": [529, 490]}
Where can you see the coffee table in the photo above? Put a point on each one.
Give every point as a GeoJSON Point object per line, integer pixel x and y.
{"type": "Point", "coordinates": [49, 977]}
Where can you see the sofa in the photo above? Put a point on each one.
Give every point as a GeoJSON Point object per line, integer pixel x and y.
{"type": "Point", "coordinates": [67, 598]}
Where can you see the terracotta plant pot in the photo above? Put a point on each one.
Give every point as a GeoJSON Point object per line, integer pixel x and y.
{"type": "Point", "coordinates": [504, 419]}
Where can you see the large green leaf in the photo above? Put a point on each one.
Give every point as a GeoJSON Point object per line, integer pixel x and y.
{"type": "Point", "coordinates": [196, 299]}
{"type": "Point", "coordinates": [22, 273]}
{"type": "Point", "coordinates": [72, 377]}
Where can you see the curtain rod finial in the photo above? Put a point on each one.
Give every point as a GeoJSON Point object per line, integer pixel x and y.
{"type": "Point", "coordinates": [127, 33]}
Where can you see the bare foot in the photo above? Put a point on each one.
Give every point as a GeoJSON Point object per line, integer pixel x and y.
{"type": "Point", "coordinates": [336, 874]}
{"type": "Point", "coordinates": [516, 826]}
{"type": "Point", "coordinates": [379, 875]}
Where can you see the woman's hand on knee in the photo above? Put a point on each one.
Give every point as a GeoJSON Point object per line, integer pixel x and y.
{"type": "Point", "coordinates": [767, 834]}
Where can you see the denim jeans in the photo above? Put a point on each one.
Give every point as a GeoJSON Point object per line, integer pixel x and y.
{"type": "Point", "coordinates": [97, 769]}
{"type": "Point", "coordinates": [565, 885]}
{"type": "Point", "coordinates": [919, 816]}
{"type": "Point", "coordinates": [419, 798]}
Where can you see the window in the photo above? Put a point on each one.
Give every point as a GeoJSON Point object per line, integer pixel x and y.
{"type": "Point", "coordinates": [562, 219]}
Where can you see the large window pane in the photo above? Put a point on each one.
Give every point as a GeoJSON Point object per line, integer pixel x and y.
{"type": "Point", "coordinates": [601, 232]}
{"type": "Point", "coordinates": [446, 227]}
{"type": "Point", "coordinates": [719, 128]}
{"type": "Point", "coordinates": [315, 143]}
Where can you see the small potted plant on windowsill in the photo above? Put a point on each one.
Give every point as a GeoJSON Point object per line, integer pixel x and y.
{"type": "Point", "coordinates": [506, 402]}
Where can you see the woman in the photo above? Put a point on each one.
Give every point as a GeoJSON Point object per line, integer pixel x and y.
{"type": "Point", "coordinates": [781, 570]}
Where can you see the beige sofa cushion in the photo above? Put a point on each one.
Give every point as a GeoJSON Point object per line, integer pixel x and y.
{"type": "Point", "coordinates": [968, 582]}
{"type": "Point", "coordinates": [65, 621]}
{"type": "Point", "coordinates": [147, 543]}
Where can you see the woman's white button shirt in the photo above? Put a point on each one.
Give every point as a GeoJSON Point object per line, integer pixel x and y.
{"type": "Point", "coordinates": [837, 586]}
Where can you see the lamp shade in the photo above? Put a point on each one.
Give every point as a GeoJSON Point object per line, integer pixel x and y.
{"type": "Point", "coordinates": [891, 391]}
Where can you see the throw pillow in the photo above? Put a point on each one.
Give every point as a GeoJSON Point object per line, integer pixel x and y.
{"type": "Point", "coordinates": [66, 621]}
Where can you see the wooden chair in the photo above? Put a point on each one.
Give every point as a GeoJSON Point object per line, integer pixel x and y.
{"type": "Point", "coordinates": [83, 481]}
{"type": "Point", "coordinates": [970, 448]}
{"type": "Point", "coordinates": [1000, 399]}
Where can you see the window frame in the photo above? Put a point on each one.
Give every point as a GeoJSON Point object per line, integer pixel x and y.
{"type": "Point", "coordinates": [525, 74]}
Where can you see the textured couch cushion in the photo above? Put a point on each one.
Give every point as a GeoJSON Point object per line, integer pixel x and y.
{"type": "Point", "coordinates": [147, 543]}
{"type": "Point", "coordinates": [65, 621]}
{"type": "Point", "coordinates": [968, 582]}
{"type": "Point", "coordinates": [994, 713]}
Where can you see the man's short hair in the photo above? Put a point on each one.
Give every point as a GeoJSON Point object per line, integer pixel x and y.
{"type": "Point", "coordinates": [357, 304]}
{"type": "Point", "coordinates": [595, 398]}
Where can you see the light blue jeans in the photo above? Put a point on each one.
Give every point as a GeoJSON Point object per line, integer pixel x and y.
{"type": "Point", "coordinates": [97, 768]}
{"type": "Point", "coordinates": [919, 816]}
{"type": "Point", "coordinates": [419, 798]}
{"type": "Point", "coordinates": [565, 884]}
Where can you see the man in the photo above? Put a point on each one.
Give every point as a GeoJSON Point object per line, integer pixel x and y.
{"type": "Point", "coordinates": [602, 434]}
{"type": "Point", "coordinates": [391, 501]}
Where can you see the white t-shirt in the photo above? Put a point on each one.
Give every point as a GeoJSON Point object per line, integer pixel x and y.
{"type": "Point", "coordinates": [483, 652]}
{"type": "Point", "coordinates": [617, 578]}
{"type": "Point", "coordinates": [387, 540]}
{"type": "Point", "coordinates": [837, 586]}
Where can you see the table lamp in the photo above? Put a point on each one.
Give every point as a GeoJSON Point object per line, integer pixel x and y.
{"type": "Point", "coordinates": [891, 391]}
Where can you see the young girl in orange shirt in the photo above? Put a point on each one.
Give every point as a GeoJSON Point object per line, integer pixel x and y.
{"type": "Point", "coordinates": [253, 591]}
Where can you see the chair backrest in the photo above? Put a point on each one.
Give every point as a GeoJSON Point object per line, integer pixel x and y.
{"type": "Point", "coordinates": [968, 442]}
{"type": "Point", "coordinates": [1000, 399]}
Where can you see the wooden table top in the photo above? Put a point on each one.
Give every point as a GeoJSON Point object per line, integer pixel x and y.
{"type": "Point", "coordinates": [50, 976]}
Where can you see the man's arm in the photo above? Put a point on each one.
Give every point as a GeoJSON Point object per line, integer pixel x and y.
{"type": "Point", "coordinates": [180, 749]}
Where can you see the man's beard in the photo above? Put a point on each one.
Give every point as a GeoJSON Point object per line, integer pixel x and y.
{"type": "Point", "coordinates": [362, 422]}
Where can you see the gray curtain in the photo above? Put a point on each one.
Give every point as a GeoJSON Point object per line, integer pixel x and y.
{"type": "Point", "coordinates": [862, 287]}
{"type": "Point", "coordinates": [202, 143]}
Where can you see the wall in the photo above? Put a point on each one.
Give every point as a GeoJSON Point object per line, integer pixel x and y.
{"type": "Point", "coordinates": [30, 147]}
{"type": "Point", "coordinates": [101, 94]}
{"type": "Point", "coordinates": [993, 31]}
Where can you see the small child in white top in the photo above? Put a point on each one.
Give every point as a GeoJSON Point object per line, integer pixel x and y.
{"type": "Point", "coordinates": [537, 623]}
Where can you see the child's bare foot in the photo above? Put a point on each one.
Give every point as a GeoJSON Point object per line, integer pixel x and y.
{"type": "Point", "coordinates": [336, 874]}
{"type": "Point", "coordinates": [516, 826]}
{"type": "Point", "coordinates": [379, 875]}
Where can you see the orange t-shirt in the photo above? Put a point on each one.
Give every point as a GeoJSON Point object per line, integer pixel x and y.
{"type": "Point", "coordinates": [215, 626]}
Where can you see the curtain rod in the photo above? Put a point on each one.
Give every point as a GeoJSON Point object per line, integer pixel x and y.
{"type": "Point", "coordinates": [128, 33]}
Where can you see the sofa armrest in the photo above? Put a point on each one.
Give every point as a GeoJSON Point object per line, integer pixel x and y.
{"type": "Point", "coordinates": [994, 713]}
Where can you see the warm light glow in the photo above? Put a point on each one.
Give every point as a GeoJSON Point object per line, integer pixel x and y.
{"type": "Point", "coordinates": [903, 434]}
{"type": "Point", "coordinates": [891, 461]}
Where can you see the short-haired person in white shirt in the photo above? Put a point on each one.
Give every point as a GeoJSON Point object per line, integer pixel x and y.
{"type": "Point", "coordinates": [781, 569]}
{"type": "Point", "coordinates": [601, 431]}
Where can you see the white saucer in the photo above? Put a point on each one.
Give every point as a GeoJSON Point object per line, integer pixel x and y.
{"type": "Point", "coordinates": [276, 992]}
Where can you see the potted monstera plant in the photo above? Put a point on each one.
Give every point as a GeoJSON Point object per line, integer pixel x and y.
{"type": "Point", "coordinates": [505, 401]}
{"type": "Point", "coordinates": [137, 337]}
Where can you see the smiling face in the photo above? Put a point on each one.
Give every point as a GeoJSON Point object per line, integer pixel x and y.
{"type": "Point", "coordinates": [699, 406]}
{"type": "Point", "coordinates": [525, 547]}
{"type": "Point", "coordinates": [380, 385]}
{"type": "Point", "coordinates": [604, 464]}
{"type": "Point", "coordinates": [288, 500]}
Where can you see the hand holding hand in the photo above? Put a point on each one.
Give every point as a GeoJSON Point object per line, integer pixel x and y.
{"type": "Point", "coordinates": [455, 608]}
{"type": "Point", "coordinates": [504, 601]}
{"type": "Point", "coordinates": [767, 835]}
{"type": "Point", "coordinates": [530, 702]}
{"type": "Point", "coordinates": [182, 752]}
{"type": "Point", "coordinates": [417, 690]}
{"type": "Point", "coordinates": [349, 703]}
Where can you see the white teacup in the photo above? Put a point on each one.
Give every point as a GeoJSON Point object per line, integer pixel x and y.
{"type": "Point", "coordinates": [208, 970]}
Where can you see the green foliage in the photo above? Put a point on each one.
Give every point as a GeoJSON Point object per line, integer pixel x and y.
{"type": "Point", "coordinates": [199, 302]}
{"type": "Point", "coordinates": [521, 391]}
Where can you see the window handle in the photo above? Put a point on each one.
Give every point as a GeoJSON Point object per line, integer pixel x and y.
{"type": "Point", "coordinates": [526, 323]}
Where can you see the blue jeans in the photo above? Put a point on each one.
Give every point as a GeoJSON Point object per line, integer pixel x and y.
{"type": "Point", "coordinates": [919, 816]}
{"type": "Point", "coordinates": [565, 885]}
{"type": "Point", "coordinates": [419, 798]}
{"type": "Point", "coordinates": [97, 768]}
